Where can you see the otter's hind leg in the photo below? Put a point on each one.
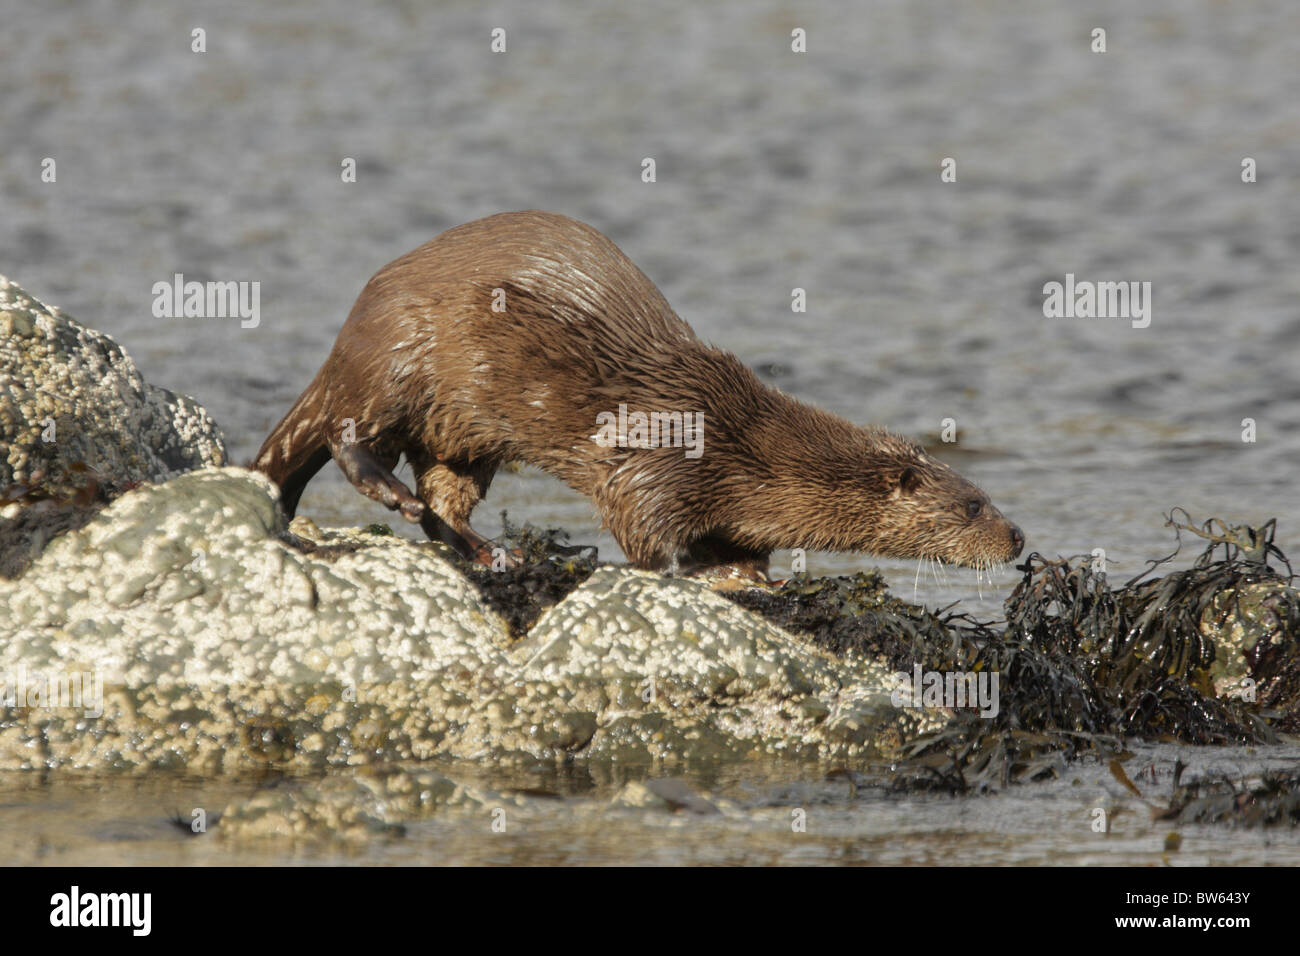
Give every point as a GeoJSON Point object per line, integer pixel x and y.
{"type": "Point", "coordinates": [451, 490]}
{"type": "Point", "coordinates": [370, 469]}
{"type": "Point", "coordinates": [306, 438]}
{"type": "Point", "coordinates": [296, 448]}
{"type": "Point", "coordinates": [292, 486]}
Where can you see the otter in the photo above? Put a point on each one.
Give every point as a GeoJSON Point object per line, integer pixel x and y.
{"type": "Point", "coordinates": [530, 337]}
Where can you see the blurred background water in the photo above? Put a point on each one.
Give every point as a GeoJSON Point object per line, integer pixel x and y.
{"type": "Point", "coordinates": [775, 170]}
{"type": "Point", "coordinates": [70, 820]}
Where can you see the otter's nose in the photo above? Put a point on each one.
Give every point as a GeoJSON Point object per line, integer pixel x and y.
{"type": "Point", "coordinates": [1017, 541]}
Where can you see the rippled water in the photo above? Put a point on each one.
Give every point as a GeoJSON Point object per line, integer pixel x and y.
{"type": "Point", "coordinates": [107, 821]}
{"type": "Point", "coordinates": [775, 170]}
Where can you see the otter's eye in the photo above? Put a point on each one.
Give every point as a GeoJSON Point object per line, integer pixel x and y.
{"type": "Point", "coordinates": [974, 507]}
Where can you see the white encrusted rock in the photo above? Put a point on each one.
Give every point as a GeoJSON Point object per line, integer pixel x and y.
{"type": "Point", "coordinates": [221, 642]}
{"type": "Point", "coordinates": [61, 380]}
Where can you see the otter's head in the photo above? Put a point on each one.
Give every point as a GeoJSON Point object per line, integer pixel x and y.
{"type": "Point", "coordinates": [914, 506]}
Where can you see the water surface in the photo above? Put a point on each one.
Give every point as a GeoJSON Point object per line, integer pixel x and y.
{"type": "Point", "coordinates": [775, 171]}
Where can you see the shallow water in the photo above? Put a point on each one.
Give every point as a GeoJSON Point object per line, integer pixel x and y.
{"type": "Point", "coordinates": [107, 821]}
{"type": "Point", "coordinates": [774, 171]}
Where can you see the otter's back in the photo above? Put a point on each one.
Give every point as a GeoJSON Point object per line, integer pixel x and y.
{"type": "Point", "coordinates": [506, 336]}
{"type": "Point", "coordinates": [545, 263]}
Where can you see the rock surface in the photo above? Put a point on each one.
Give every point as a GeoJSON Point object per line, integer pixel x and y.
{"type": "Point", "coordinates": [223, 647]}
{"type": "Point", "coordinates": [185, 627]}
{"type": "Point", "coordinates": [72, 403]}
{"type": "Point", "coordinates": [356, 806]}
{"type": "Point", "coordinates": [188, 627]}
{"type": "Point", "coordinates": [1257, 631]}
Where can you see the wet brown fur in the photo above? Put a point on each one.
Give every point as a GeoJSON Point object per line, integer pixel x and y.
{"type": "Point", "coordinates": [426, 369]}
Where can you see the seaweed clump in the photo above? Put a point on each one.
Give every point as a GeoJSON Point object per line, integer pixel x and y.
{"type": "Point", "coordinates": [1271, 798]}
{"type": "Point", "coordinates": [545, 570]}
{"type": "Point", "coordinates": [57, 499]}
{"type": "Point", "coordinates": [1081, 664]}
{"type": "Point", "coordinates": [1151, 647]}
{"type": "Point", "coordinates": [857, 615]}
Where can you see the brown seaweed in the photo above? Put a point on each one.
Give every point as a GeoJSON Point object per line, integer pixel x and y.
{"type": "Point", "coordinates": [546, 569]}
{"type": "Point", "coordinates": [1082, 665]}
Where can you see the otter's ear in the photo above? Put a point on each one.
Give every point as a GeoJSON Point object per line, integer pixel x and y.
{"type": "Point", "coordinates": [909, 480]}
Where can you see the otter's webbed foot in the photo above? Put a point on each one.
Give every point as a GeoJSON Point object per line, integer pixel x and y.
{"type": "Point", "coordinates": [733, 576]}
{"type": "Point", "coordinates": [492, 556]}
{"type": "Point", "coordinates": [370, 477]}
{"type": "Point", "coordinates": [716, 560]}
{"type": "Point", "coordinates": [468, 543]}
